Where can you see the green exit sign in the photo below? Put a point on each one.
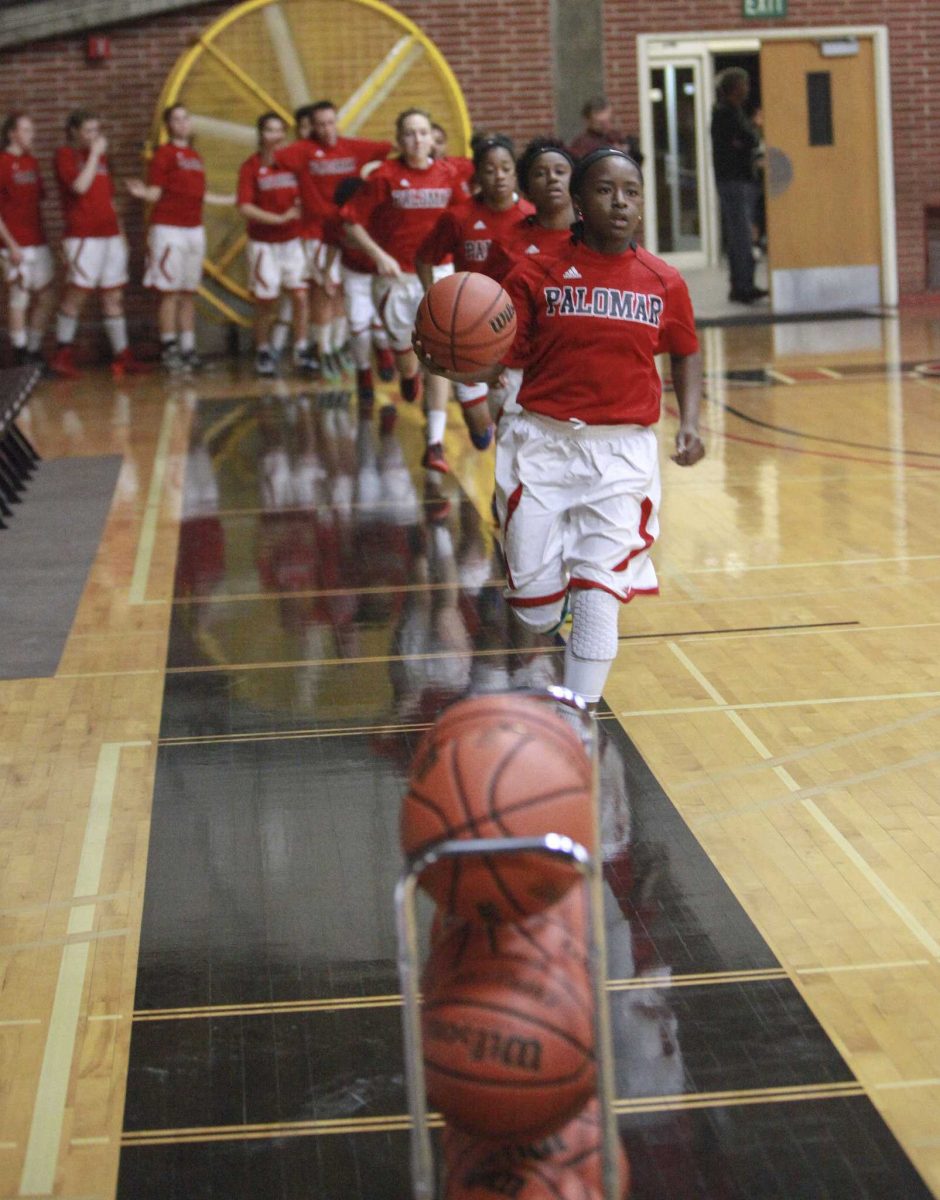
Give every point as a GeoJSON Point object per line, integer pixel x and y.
{"type": "Point", "coordinates": [762, 10]}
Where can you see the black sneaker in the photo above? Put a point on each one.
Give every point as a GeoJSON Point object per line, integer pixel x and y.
{"type": "Point", "coordinates": [170, 357]}
{"type": "Point", "coordinates": [191, 361]}
{"type": "Point", "coordinates": [265, 364]}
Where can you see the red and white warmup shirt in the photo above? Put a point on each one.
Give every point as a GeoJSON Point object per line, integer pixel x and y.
{"type": "Point", "coordinates": [352, 258]}
{"type": "Point", "coordinates": [523, 239]}
{"type": "Point", "coordinates": [180, 173]}
{"type": "Point", "coordinates": [273, 189]}
{"type": "Point", "coordinates": [90, 215]}
{"type": "Point", "coordinates": [470, 234]}
{"type": "Point", "coordinates": [21, 193]}
{"type": "Point", "coordinates": [589, 328]}
{"type": "Point", "coordinates": [321, 169]}
{"type": "Point", "coordinates": [400, 205]}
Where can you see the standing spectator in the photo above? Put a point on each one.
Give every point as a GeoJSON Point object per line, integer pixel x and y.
{"type": "Point", "coordinates": [734, 141]}
{"type": "Point", "coordinates": [25, 258]}
{"type": "Point", "coordinates": [269, 199]}
{"type": "Point", "coordinates": [176, 240]}
{"type": "Point", "coordinates": [599, 132]}
{"type": "Point", "coordinates": [94, 245]}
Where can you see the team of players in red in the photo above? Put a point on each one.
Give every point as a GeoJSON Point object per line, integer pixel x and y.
{"type": "Point", "coordinates": [577, 473]}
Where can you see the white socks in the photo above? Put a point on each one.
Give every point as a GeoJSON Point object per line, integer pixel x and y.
{"type": "Point", "coordinates": [187, 340]}
{"type": "Point", "coordinates": [18, 338]}
{"type": "Point", "coordinates": [65, 327]}
{"type": "Point", "coordinates": [116, 329]}
{"type": "Point", "coordinates": [362, 349]}
{"type": "Point", "coordinates": [437, 424]}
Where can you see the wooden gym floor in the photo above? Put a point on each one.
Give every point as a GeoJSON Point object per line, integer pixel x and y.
{"type": "Point", "coordinates": [198, 809]}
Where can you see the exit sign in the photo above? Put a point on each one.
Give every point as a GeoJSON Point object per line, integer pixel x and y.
{"type": "Point", "coordinates": [761, 10]}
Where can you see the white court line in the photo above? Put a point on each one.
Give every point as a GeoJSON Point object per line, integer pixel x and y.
{"type": "Point", "coordinates": [148, 527]}
{"type": "Point", "coordinates": [900, 964]}
{"type": "Point", "coordinates": [810, 702]}
{"type": "Point", "coordinates": [872, 878]}
{"type": "Point", "coordinates": [803, 566]}
{"type": "Point", "coordinates": [45, 1131]}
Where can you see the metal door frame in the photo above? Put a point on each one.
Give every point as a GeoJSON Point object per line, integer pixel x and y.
{"type": "Point", "coordinates": [656, 49]}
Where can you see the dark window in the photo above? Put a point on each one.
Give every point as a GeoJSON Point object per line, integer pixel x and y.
{"type": "Point", "coordinates": [819, 103]}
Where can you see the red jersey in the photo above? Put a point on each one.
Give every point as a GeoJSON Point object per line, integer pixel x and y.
{"type": "Point", "coordinates": [589, 328]}
{"type": "Point", "coordinates": [400, 205]}
{"type": "Point", "coordinates": [470, 233]}
{"type": "Point", "coordinates": [334, 234]}
{"type": "Point", "coordinates": [92, 214]}
{"type": "Point", "coordinates": [179, 171]}
{"type": "Point", "coordinates": [272, 189]}
{"type": "Point", "coordinates": [523, 239]}
{"type": "Point", "coordinates": [321, 169]}
{"type": "Point", "coordinates": [21, 192]}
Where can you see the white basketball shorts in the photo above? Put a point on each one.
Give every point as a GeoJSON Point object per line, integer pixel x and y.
{"type": "Point", "coordinates": [96, 262]}
{"type": "Point", "coordinates": [578, 506]}
{"type": "Point", "coordinates": [174, 258]}
{"type": "Point", "coordinates": [34, 273]}
{"type": "Point", "coordinates": [397, 301]}
{"type": "Point", "coordinates": [274, 267]}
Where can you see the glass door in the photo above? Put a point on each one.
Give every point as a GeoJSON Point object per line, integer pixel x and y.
{"type": "Point", "coordinates": [678, 177]}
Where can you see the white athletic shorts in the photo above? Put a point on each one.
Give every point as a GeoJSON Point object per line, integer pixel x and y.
{"type": "Point", "coordinates": [315, 253]}
{"type": "Point", "coordinates": [96, 262]}
{"type": "Point", "coordinates": [274, 267]}
{"type": "Point", "coordinates": [360, 304]}
{"type": "Point", "coordinates": [174, 258]}
{"type": "Point", "coordinates": [35, 272]}
{"type": "Point", "coordinates": [578, 507]}
{"type": "Point", "coordinates": [397, 301]}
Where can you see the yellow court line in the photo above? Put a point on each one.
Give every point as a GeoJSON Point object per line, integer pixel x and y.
{"type": "Point", "coordinates": [402, 1123]}
{"type": "Point", "coordinates": [71, 940]}
{"type": "Point", "coordinates": [148, 528]}
{"type": "Point", "coordinates": [289, 735]}
{"type": "Point", "coordinates": [897, 965]}
{"type": "Point", "coordinates": [871, 876]}
{"type": "Point", "coordinates": [318, 593]}
{"type": "Point", "coordinates": [45, 1131]}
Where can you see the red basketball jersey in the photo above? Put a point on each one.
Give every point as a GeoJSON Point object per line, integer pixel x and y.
{"type": "Point", "coordinates": [400, 204]}
{"type": "Point", "coordinates": [91, 214]}
{"type": "Point", "coordinates": [273, 189]}
{"type": "Point", "coordinates": [334, 234]}
{"type": "Point", "coordinates": [320, 169]}
{"type": "Point", "coordinates": [470, 234]}
{"type": "Point", "coordinates": [524, 238]}
{"type": "Point", "coordinates": [589, 328]}
{"type": "Point", "coordinates": [21, 192]}
{"type": "Point", "coordinates": [180, 172]}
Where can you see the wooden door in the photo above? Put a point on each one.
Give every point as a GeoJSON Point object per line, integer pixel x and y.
{"type": "Point", "coordinates": [823, 201]}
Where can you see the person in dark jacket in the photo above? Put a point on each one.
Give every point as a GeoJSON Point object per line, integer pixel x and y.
{"type": "Point", "coordinates": [734, 141]}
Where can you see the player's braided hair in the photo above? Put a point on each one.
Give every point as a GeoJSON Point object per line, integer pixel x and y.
{"type": "Point", "coordinates": [535, 149]}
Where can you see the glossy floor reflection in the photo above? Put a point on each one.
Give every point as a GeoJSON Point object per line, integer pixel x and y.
{"type": "Point", "coordinates": [329, 603]}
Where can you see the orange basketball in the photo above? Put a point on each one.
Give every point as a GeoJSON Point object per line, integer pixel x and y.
{"type": "Point", "coordinates": [521, 1182]}
{"type": "Point", "coordinates": [574, 1147]}
{"type": "Point", "coordinates": [498, 766]}
{"type": "Point", "coordinates": [554, 938]}
{"type": "Point", "coordinates": [508, 1047]}
{"type": "Point", "coordinates": [466, 321]}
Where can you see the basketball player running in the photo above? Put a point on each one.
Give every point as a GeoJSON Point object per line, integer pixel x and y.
{"type": "Point", "coordinates": [577, 471]}
{"type": "Point", "coordinates": [322, 159]}
{"type": "Point", "coordinates": [268, 196]}
{"type": "Point", "coordinates": [25, 258]}
{"type": "Point", "coordinates": [389, 219]}
{"type": "Point", "coordinates": [470, 235]}
{"type": "Point", "coordinates": [94, 246]}
{"type": "Point", "coordinates": [176, 239]}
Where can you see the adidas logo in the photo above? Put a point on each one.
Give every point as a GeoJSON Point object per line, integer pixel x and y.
{"type": "Point", "coordinates": [572, 273]}
{"type": "Point", "coordinates": [405, 183]}
{"type": "Point", "coordinates": [532, 250]}
{"type": "Point", "coordinates": [480, 225]}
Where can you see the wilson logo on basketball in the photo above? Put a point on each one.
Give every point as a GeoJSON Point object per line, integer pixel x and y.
{"type": "Point", "coordinates": [489, 1044]}
{"type": "Point", "coordinates": [502, 319]}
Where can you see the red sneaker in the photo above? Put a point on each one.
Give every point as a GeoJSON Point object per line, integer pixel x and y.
{"type": "Point", "coordinates": [62, 363]}
{"type": "Point", "coordinates": [385, 360]}
{"type": "Point", "coordinates": [126, 364]}
{"type": "Point", "coordinates": [434, 459]}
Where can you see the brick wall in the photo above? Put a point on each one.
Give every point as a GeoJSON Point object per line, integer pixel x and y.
{"type": "Point", "coordinates": [501, 53]}
{"type": "Point", "coordinates": [914, 36]}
